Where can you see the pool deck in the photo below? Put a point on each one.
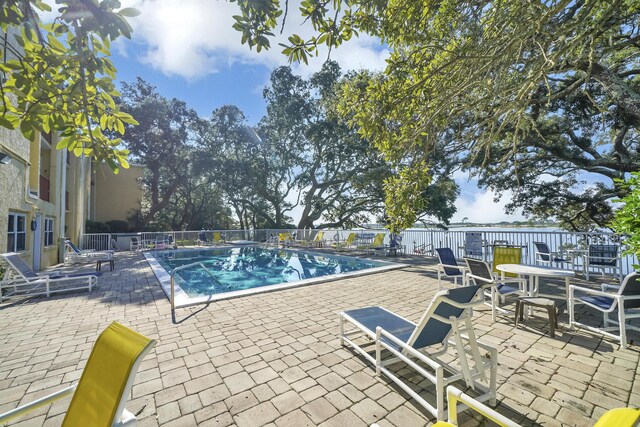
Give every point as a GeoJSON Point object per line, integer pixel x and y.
{"type": "Point", "coordinates": [274, 358]}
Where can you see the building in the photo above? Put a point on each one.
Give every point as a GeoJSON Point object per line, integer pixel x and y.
{"type": "Point", "coordinates": [115, 197]}
{"type": "Point", "coordinates": [44, 197]}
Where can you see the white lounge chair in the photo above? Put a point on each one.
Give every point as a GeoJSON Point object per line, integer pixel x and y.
{"type": "Point", "coordinates": [627, 297]}
{"type": "Point", "coordinates": [446, 321]}
{"type": "Point", "coordinates": [74, 255]}
{"type": "Point", "coordinates": [100, 396]}
{"type": "Point", "coordinates": [21, 280]}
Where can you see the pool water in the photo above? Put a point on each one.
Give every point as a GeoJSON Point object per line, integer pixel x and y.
{"type": "Point", "coordinates": [230, 269]}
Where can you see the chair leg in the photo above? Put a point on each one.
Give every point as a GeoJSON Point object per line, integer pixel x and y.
{"type": "Point", "coordinates": [518, 305]}
{"type": "Point", "coordinates": [623, 326]}
{"type": "Point", "coordinates": [552, 321]}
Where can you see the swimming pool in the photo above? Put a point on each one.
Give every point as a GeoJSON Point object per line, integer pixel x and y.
{"type": "Point", "coordinates": [226, 272]}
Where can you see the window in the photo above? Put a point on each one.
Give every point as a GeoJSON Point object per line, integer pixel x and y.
{"type": "Point", "coordinates": [17, 233]}
{"type": "Point", "coordinates": [48, 231]}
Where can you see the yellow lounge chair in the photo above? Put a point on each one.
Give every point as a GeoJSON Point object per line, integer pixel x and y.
{"type": "Point", "coordinates": [349, 243]}
{"type": "Point", "coordinates": [105, 385]}
{"type": "Point", "coordinates": [218, 239]}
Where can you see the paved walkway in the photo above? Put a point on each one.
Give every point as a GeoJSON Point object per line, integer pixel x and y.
{"type": "Point", "coordinates": [274, 359]}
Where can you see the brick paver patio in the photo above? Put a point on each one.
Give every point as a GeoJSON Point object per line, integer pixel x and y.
{"type": "Point", "coordinates": [274, 359]}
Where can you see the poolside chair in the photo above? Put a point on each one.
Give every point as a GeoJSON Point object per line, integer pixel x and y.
{"type": "Point", "coordinates": [100, 396]}
{"type": "Point", "coordinates": [545, 256]}
{"type": "Point", "coordinates": [349, 243]}
{"type": "Point", "coordinates": [497, 289]}
{"type": "Point", "coordinates": [285, 239]}
{"type": "Point", "coordinates": [21, 280]}
{"type": "Point", "coordinates": [603, 257]}
{"type": "Point", "coordinates": [134, 244]}
{"type": "Point", "coordinates": [423, 249]}
{"type": "Point", "coordinates": [627, 297]}
{"type": "Point", "coordinates": [376, 244]}
{"type": "Point", "coordinates": [447, 321]}
{"type": "Point", "coordinates": [74, 255]}
{"type": "Point", "coordinates": [504, 255]}
{"type": "Point", "coordinates": [316, 239]}
{"type": "Point", "coordinates": [219, 238]}
{"type": "Point", "coordinates": [449, 267]}
{"type": "Point", "coordinates": [202, 239]}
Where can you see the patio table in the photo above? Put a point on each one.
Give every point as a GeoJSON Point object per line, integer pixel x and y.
{"type": "Point", "coordinates": [535, 272]}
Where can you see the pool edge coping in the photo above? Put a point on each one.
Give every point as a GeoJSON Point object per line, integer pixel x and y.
{"type": "Point", "coordinates": [183, 300]}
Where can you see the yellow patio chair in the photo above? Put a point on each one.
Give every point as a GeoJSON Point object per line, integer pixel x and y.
{"type": "Point", "coordinates": [285, 239]}
{"type": "Point", "coordinates": [317, 241]}
{"type": "Point", "coordinates": [105, 385]}
{"type": "Point", "coordinates": [218, 239]}
{"type": "Point", "coordinates": [506, 255]}
{"type": "Point", "coordinates": [620, 417]}
{"type": "Point", "coordinates": [348, 243]}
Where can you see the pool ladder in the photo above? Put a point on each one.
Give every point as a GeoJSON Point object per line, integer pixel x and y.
{"type": "Point", "coordinates": [173, 291]}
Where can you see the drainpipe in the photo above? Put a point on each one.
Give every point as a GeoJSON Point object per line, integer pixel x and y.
{"type": "Point", "coordinates": [62, 204]}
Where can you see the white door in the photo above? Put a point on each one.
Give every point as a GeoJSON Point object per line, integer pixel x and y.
{"type": "Point", "coordinates": [37, 242]}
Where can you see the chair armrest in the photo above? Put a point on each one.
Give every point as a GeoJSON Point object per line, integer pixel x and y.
{"type": "Point", "coordinates": [454, 396]}
{"type": "Point", "coordinates": [405, 348]}
{"type": "Point", "coordinates": [24, 409]}
{"type": "Point", "coordinates": [482, 279]}
{"type": "Point", "coordinates": [606, 286]}
{"type": "Point", "coordinates": [573, 288]}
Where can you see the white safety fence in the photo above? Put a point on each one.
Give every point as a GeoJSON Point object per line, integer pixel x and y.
{"type": "Point", "coordinates": [475, 242]}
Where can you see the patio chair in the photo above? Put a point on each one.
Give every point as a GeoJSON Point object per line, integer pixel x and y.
{"type": "Point", "coordinates": [349, 243]}
{"type": "Point", "coordinates": [202, 239]}
{"type": "Point", "coordinates": [376, 244]}
{"type": "Point", "coordinates": [74, 255]}
{"type": "Point", "coordinates": [505, 255]}
{"type": "Point", "coordinates": [545, 256]}
{"type": "Point", "coordinates": [447, 321]}
{"type": "Point", "coordinates": [454, 396]}
{"type": "Point", "coordinates": [21, 280]}
{"type": "Point", "coordinates": [449, 267]}
{"type": "Point", "coordinates": [627, 297]}
{"type": "Point", "coordinates": [603, 257]}
{"type": "Point", "coordinates": [134, 244]}
{"type": "Point", "coordinates": [285, 239]}
{"type": "Point", "coordinates": [219, 238]}
{"type": "Point", "coordinates": [423, 249]}
{"type": "Point", "coordinates": [495, 288]}
{"type": "Point", "coordinates": [100, 396]}
{"type": "Point", "coordinates": [316, 239]}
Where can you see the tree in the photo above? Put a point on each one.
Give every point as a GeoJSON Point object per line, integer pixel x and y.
{"type": "Point", "coordinates": [231, 158]}
{"type": "Point", "coordinates": [58, 76]}
{"type": "Point", "coordinates": [161, 142]}
{"type": "Point", "coordinates": [501, 80]}
{"type": "Point", "coordinates": [627, 217]}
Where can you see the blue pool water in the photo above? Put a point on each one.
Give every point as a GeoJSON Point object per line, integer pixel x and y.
{"type": "Point", "coordinates": [248, 267]}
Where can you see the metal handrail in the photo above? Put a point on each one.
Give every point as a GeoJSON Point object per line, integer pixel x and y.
{"type": "Point", "coordinates": [184, 267]}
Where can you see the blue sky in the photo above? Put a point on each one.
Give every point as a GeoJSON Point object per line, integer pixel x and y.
{"type": "Point", "coordinates": [188, 50]}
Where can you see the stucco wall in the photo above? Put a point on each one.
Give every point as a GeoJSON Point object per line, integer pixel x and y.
{"type": "Point", "coordinates": [15, 197]}
{"type": "Point", "coordinates": [115, 196]}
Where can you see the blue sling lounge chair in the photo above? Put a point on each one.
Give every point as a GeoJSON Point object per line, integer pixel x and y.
{"type": "Point", "coordinates": [446, 321]}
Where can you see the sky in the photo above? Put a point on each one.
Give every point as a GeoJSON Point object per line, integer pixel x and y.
{"type": "Point", "coordinates": [189, 50]}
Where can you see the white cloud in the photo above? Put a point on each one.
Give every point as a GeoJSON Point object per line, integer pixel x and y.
{"type": "Point", "coordinates": [480, 207]}
{"type": "Point", "coordinates": [195, 38]}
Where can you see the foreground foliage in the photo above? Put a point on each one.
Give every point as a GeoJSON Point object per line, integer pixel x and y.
{"type": "Point", "coordinates": [538, 98]}
{"type": "Point", "coordinates": [627, 218]}
{"type": "Point", "coordinates": [58, 77]}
